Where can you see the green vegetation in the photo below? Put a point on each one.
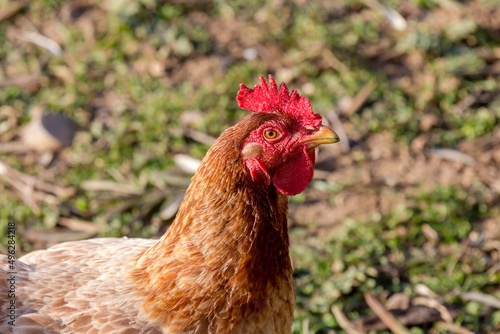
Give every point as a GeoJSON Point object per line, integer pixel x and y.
{"type": "Point", "coordinates": [392, 254]}
{"type": "Point", "coordinates": [143, 79]}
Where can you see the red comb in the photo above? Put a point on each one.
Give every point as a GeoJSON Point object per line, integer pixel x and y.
{"type": "Point", "coordinates": [266, 98]}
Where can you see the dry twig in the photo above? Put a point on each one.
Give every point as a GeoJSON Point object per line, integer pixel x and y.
{"type": "Point", "coordinates": [387, 318]}
{"type": "Point", "coordinates": [453, 155]}
{"type": "Point", "coordinates": [343, 322]}
{"type": "Point", "coordinates": [200, 137]}
{"type": "Point", "coordinates": [415, 315]}
{"type": "Point", "coordinates": [452, 328]}
{"type": "Point", "coordinates": [33, 189]}
{"type": "Point", "coordinates": [435, 304]}
{"type": "Point", "coordinates": [110, 186]}
{"type": "Point", "coordinates": [482, 298]}
{"type": "Point", "coordinates": [80, 225]}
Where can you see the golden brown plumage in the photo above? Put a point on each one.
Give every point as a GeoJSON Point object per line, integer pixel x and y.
{"type": "Point", "coordinates": [222, 267]}
{"type": "Point", "coordinates": [227, 261]}
{"type": "Point", "coordinates": [77, 287]}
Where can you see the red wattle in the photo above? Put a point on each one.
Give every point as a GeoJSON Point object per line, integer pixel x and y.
{"type": "Point", "coordinates": [294, 176]}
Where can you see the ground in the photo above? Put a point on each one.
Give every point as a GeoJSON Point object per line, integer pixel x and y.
{"type": "Point", "coordinates": [404, 211]}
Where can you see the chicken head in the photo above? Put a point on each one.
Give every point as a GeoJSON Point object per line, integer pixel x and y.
{"type": "Point", "coordinates": [281, 150]}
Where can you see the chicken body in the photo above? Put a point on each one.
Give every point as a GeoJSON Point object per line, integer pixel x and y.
{"type": "Point", "coordinates": [222, 267]}
{"type": "Point", "coordinates": [76, 287]}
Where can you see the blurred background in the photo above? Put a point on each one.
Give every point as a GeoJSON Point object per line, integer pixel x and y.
{"type": "Point", "coordinates": [106, 108]}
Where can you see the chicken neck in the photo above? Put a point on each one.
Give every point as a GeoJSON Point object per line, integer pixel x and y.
{"type": "Point", "coordinates": [227, 249]}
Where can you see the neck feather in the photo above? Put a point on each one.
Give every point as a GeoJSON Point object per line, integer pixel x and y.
{"type": "Point", "coordinates": [225, 251]}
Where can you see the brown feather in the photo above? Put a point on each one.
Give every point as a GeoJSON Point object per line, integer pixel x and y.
{"type": "Point", "coordinates": [225, 258]}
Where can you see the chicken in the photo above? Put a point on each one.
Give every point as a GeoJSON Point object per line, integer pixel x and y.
{"type": "Point", "coordinates": [223, 266]}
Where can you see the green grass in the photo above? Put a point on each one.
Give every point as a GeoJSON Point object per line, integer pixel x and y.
{"type": "Point", "coordinates": [391, 254]}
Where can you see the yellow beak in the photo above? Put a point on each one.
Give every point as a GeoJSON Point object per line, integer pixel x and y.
{"type": "Point", "coordinates": [324, 135]}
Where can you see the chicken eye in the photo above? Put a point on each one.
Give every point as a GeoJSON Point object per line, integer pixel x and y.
{"type": "Point", "coordinates": [271, 134]}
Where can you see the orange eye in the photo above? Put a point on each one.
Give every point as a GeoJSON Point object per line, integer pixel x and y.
{"type": "Point", "coordinates": [271, 134]}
